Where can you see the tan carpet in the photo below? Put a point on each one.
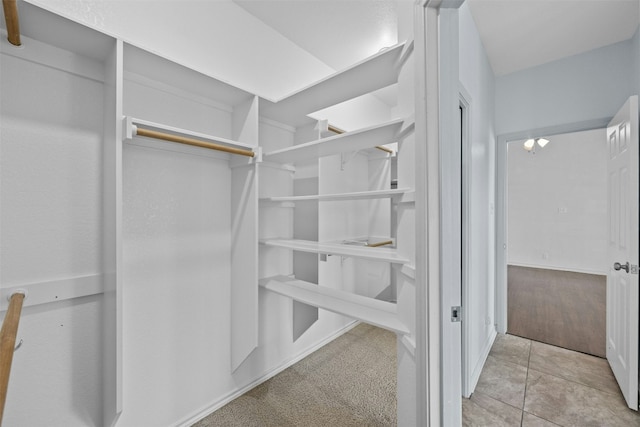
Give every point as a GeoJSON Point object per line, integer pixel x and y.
{"type": "Point", "coordinates": [349, 382]}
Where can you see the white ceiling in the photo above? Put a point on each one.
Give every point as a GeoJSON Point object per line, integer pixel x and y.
{"type": "Point", "coordinates": [516, 34]}
{"type": "Point", "coordinates": [338, 32]}
{"type": "Point", "coordinates": [519, 34]}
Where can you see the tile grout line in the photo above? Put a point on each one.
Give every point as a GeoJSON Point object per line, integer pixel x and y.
{"type": "Point", "coordinates": [526, 381]}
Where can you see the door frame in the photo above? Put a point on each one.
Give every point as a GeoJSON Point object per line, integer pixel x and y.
{"type": "Point", "coordinates": [465, 228]}
{"type": "Point", "coordinates": [501, 202]}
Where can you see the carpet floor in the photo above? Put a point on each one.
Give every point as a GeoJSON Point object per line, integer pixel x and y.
{"type": "Point", "coordinates": [349, 382]}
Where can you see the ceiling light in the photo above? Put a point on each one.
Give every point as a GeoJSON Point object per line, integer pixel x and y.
{"type": "Point", "coordinates": [528, 144]}
{"type": "Point", "coordinates": [542, 142]}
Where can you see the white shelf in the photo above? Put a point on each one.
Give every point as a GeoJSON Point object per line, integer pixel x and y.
{"type": "Point", "coordinates": [344, 143]}
{"type": "Point", "coordinates": [369, 310]}
{"type": "Point", "coordinates": [129, 122]}
{"type": "Point", "coordinates": [360, 195]}
{"type": "Point", "coordinates": [378, 71]}
{"type": "Point", "coordinates": [37, 23]}
{"type": "Point", "coordinates": [365, 252]}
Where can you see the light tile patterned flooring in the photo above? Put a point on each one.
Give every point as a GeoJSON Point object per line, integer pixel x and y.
{"type": "Point", "coordinates": [527, 383]}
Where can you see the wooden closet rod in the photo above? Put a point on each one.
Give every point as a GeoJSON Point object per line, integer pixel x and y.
{"type": "Point", "coordinates": [375, 245]}
{"type": "Point", "coordinates": [7, 344]}
{"type": "Point", "coordinates": [13, 23]}
{"type": "Point", "coordinates": [195, 142]}
{"type": "Point", "coordinates": [340, 131]}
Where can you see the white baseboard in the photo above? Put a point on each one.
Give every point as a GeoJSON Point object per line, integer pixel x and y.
{"type": "Point", "coordinates": [209, 409]}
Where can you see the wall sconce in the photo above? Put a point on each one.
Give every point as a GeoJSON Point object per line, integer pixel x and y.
{"type": "Point", "coordinates": [530, 144]}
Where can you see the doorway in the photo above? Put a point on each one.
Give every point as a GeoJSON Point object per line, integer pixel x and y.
{"type": "Point", "coordinates": [622, 160]}
{"type": "Point", "coordinates": [557, 239]}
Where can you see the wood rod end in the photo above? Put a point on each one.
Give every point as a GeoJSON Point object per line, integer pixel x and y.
{"type": "Point", "coordinates": [13, 23]}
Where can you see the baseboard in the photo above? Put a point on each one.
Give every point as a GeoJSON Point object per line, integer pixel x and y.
{"type": "Point", "coordinates": [209, 409]}
{"type": "Point", "coordinates": [477, 370]}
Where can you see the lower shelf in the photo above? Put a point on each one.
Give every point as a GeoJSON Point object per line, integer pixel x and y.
{"type": "Point", "coordinates": [369, 310]}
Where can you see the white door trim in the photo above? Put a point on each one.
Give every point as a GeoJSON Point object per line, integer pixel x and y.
{"type": "Point", "coordinates": [465, 103]}
{"type": "Point", "coordinates": [427, 354]}
{"type": "Point", "coordinates": [501, 203]}
{"type": "Point", "coordinates": [450, 217]}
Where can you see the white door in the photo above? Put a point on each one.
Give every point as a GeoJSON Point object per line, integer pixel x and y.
{"type": "Point", "coordinates": [622, 278]}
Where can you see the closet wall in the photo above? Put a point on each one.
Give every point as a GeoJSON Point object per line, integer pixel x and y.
{"type": "Point", "coordinates": [51, 219]}
{"type": "Point", "coordinates": [142, 256]}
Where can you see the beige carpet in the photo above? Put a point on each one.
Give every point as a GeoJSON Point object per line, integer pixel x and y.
{"type": "Point", "coordinates": [349, 382]}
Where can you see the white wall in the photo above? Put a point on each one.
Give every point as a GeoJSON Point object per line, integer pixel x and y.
{"type": "Point", "coordinates": [477, 78]}
{"type": "Point", "coordinates": [584, 87]}
{"type": "Point", "coordinates": [50, 224]}
{"type": "Point", "coordinates": [557, 203]}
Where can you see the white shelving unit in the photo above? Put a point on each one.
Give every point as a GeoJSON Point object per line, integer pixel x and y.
{"type": "Point", "coordinates": [378, 71]}
{"type": "Point", "coordinates": [343, 143]}
{"type": "Point", "coordinates": [375, 312]}
{"type": "Point", "coordinates": [370, 253]}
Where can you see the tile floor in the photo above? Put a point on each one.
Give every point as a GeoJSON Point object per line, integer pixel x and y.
{"type": "Point", "coordinates": [527, 383]}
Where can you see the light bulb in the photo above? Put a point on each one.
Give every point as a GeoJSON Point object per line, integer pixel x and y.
{"type": "Point", "coordinates": [542, 142]}
{"type": "Point", "coordinates": [528, 144]}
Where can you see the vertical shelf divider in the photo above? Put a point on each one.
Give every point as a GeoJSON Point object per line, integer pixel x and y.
{"type": "Point", "coordinates": [112, 235]}
{"type": "Point", "coordinates": [244, 237]}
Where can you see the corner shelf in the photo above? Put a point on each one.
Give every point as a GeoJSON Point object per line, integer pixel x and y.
{"type": "Point", "coordinates": [373, 73]}
{"type": "Point", "coordinates": [360, 195]}
{"type": "Point", "coordinates": [369, 310]}
{"type": "Point", "coordinates": [364, 252]}
{"type": "Point", "coordinates": [344, 143]}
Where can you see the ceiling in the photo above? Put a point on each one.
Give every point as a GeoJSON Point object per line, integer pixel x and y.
{"type": "Point", "coordinates": [337, 32]}
{"type": "Point", "coordinates": [519, 34]}
{"type": "Point", "coordinates": [516, 34]}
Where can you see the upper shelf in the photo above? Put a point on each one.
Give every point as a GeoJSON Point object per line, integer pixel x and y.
{"type": "Point", "coordinates": [333, 248]}
{"type": "Point", "coordinates": [343, 143]}
{"type": "Point", "coordinates": [38, 23]}
{"type": "Point", "coordinates": [360, 195]}
{"type": "Point", "coordinates": [373, 73]}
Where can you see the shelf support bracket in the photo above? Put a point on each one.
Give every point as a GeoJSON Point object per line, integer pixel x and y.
{"type": "Point", "coordinates": [407, 50]}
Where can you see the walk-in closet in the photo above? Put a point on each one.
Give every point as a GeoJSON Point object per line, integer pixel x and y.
{"type": "Point", "coordinates": [179, 240]}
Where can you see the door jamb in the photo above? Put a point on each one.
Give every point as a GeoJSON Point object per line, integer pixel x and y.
{"type": "Point", "coordinates": [465, 103]}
